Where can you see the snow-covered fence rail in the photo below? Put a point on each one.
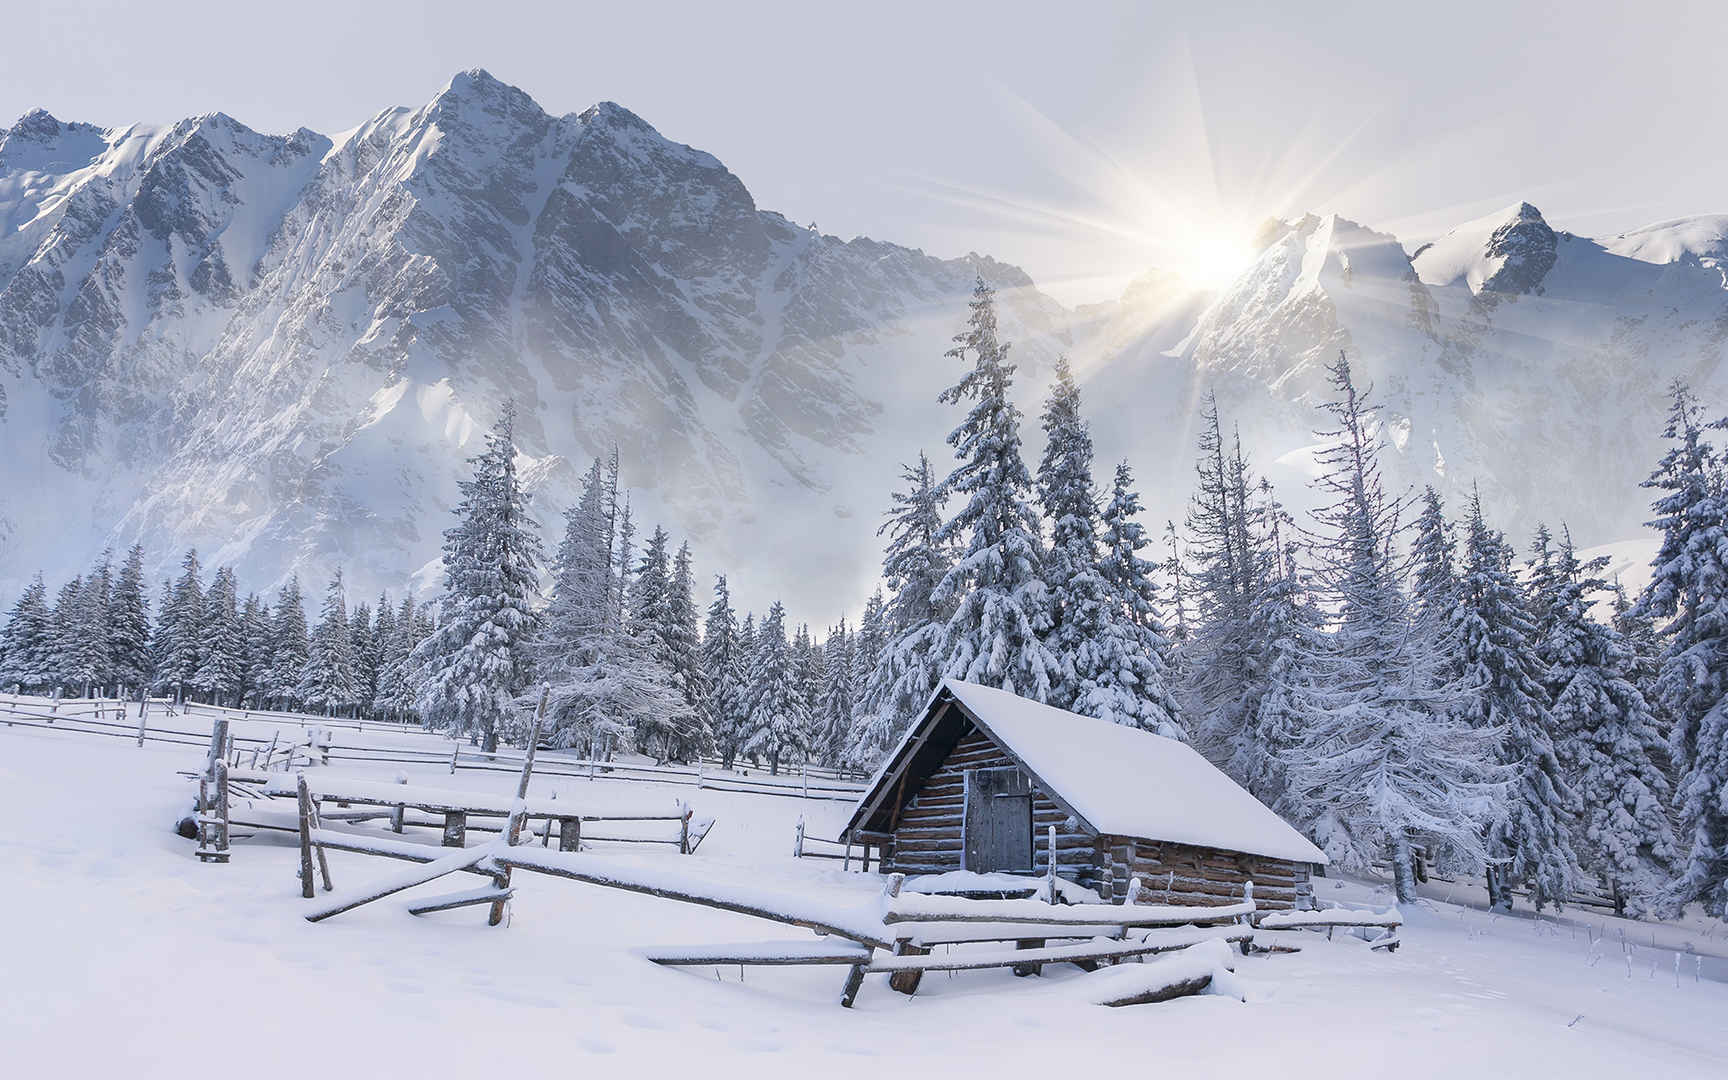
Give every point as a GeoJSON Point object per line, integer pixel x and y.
{"type": "Point", "coordinates": [583, 768]}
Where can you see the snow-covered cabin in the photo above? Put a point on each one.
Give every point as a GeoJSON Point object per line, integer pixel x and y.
{"type": "Point", "coordinates": [982, 774]}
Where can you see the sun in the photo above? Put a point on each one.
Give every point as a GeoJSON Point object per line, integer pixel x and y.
{"type": "Point", "coordinates": [1209, 254]}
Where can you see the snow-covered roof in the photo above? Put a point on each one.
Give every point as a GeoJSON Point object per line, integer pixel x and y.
{"type": "Point", "coordinates": [1120, 780]}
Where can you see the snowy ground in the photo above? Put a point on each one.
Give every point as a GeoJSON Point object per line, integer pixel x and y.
{"type": "Point", "coordinates": [126, 956]}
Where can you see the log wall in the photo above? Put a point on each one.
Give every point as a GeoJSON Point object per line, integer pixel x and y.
{"type": "Point", "coordinates": [1184, 874]}
{"type": "Point", "coordinates": [927, 837]}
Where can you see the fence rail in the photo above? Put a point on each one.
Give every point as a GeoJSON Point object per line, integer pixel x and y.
{"type": "Point", "coordinates": [89, 716]}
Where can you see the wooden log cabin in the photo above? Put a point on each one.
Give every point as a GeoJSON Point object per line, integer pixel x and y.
{"type": "Point", "coordinates": [981, 775]}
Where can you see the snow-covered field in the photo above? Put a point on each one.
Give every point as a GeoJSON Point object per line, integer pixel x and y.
{"type": "Point", "coordinates": [125, 956]}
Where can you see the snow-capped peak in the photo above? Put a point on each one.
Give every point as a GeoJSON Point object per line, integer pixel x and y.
{"type": "Point", "coordinates": [1508, 252]}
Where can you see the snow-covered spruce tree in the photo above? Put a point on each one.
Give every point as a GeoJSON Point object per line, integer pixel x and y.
{"type": "Point", "coordinates": [1688, 595]}
{"type": "Point", "coordinates": [289, 638]}
{"type": "Point", "coordinates": [66, 619]}
{"type": "Point", "coordinates": [1000, 608]}
{"type": "Point", "coordinates": [693, 736]}
{"type": "Point", "coordinates": [724, 671]}
{"type": "Point", "coordinates": [1284, 627]}
{"type": "Point", "coordinates": [779, 712]}
{"type": "Point", "coordinates": [89, 657]}
{"type": "Point", "coordinates": [811, 672]}
{"type": "Point", "coordinates": [607, 688]}
{"type": "Point", "coordinates": [477, 664]}
{"type": "Point", "coordinates": [255, 629]}
{"type": "Point", "coordinates": [1382, 760]}
{"type": "Point", "coordinates": [129, 624]}
{"type": "Point", "coordinates": [361, 647]}
{"type": "Point", "coordinates": [222, 667]}
{"type": "Point", "coordinates": [396, 690]}
{"type": "Point", "coordinates": [1529, 835]}
{"type": "Point", "coordinates": [27, 646]}
{"type": "Point", "coordinates": [1130, 678]}
{"type": "Point", "coordinates": [838, 715]}
{"type": "Point", "coordinates": [1607, 738]}
{"type": "Point", "coordinates": [327, 681]}
{"type": "Point", "coordinates": [1223, 682]}
{"type": "Point", "coordinates": [180, 630]}
{"type": "Point", "coordinates": [876, 726]}
{"type": "Point", "coordinates": [657, 628]}
{"type": "Point", "coordinates": [1435, 582]}
{"type": "Point", "coordinates": [383, 633]}
{"type": "Point", "coordinates": [1078, 606]}
{"type": "Point", "coordinates": [908, 656]}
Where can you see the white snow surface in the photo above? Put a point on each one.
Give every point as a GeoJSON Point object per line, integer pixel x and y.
{"type": "Point", "coordinates": [1127, 782]}
{"type": "Point", "coordinates": [127, 957]}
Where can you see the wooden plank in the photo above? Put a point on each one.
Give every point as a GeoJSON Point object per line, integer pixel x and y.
{"type": "Point", "coordinates": [765, 954]}
{"type": "Point", "coordinates": [462, 859]}
{"type": "Point", "coordinates": [486, 894]}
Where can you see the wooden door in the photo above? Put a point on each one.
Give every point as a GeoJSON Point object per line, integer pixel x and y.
{"type": "Point", "coordinates": [998, 827]}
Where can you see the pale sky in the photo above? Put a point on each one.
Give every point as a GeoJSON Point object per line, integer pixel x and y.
{"type": "Point", "coordinates": [1085, 142]}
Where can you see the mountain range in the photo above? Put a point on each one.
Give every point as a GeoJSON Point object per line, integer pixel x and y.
{"type": "Point", "coordinates": [281, 348]}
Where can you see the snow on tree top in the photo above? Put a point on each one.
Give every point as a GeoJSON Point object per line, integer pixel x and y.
{"type": "Point", "coordinates": [1128, 782]}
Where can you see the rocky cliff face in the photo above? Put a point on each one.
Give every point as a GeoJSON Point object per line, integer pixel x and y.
{"type": "Point", "coordinates": [282, 348]}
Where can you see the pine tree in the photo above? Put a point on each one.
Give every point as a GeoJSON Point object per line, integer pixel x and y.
{"type": "Point", "coordinates": [682, 642]}
{"type": "Point", "coordinates": [1223, 679]}
{"type": "Point", "coordinates": [1130, 677]}
{"type": "Point", "coordinates": [255, 629]}
{"type": "Point", "coordinates": [181, 628]}
{"type": "Point", "coordinates": [779, 713]}
{"type": "Point", "coordinates": [607, 686]}
{"type": "Point", "coordinates": [476, 664]}
{"type": "Point", "coordinates": [724, 667]}
{"type": "Point", "coordinates": [26, 647]}
{"type": "Point", "coordinates": [907, 645]}
{"type": "Point", "coordinates": [129, 624]}
{"type": "Point", "coordinates": [1079, 607]}
{"type": "Point", "coordinates": [361, 647]}
{"type": "Point", "coordinates": [1529, 839]}
{"type": "Point", "coordinates": [1607, 738]}
{"type": "Point", "coordinates": [1689, 590]}
{"type": "Point", "coordinates": [222, 665]}
{"type": "Point", "coordinates": [90, 660]}
{"type": "Point", "coordinates": [328, 680]}
{"type": "Point", "coordinates": [396, 688]}
{"type": "Point", "coordinates": [65, 621]}
{"type": "Point", "coordinates": [383, 635]}
{"type": "Point", "coordinates": [838, 713]}
{"type": "Point", "coordinates": [290, 645]}
{"type": "Point", "coordinates": [994, 636]}
{"type": "Point", "coordinates": [1435, 585]}
{"type": "Point", "coordinates": [810, 666]}
{"type": "Point", "coordinates": [1382, 761]}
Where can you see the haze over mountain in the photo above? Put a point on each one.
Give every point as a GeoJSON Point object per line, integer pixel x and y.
{"type": "Point", "coordinates": [281, 348]}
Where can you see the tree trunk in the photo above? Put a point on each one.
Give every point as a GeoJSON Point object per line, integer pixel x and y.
{"type": "Point", "coordinates": [1403, 870]}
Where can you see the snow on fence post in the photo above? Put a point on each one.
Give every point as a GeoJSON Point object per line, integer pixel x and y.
{"type": "Point", "coordinates": [143, 707]}
{"type": "Point", "coordinates": [798, 839]}
{"type": "Point", "coordinates": [1050, 860]}
{"type": "Point", "coordinates": [684, 828]}
{"type": "Point", "coordinates": [1133, 892]}
{"type": "Point", "coordinates": [455, 752]}
{"type": "Point", "coordinates": [399, 809]}
{"type": "Point", "coordinates": [54, 705]}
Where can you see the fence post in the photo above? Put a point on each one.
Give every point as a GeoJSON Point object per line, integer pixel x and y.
{"type": "Point", "coordinates": [305, 796]}
{"type": "Point", "coordinates": [798, 839]}
{"type": "Point", "coordinates": [54, 705]}
{"type": "Point", "coordinates": [396, 814]}
{"type": "Point", "coordinates": [1050, 858]}
{"type": "Point", "coordinates": [143, 707]}
{"type": "Point", "coordinates": [455, 753]}
{"type": "Point", "coordinates": [684, 831]}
